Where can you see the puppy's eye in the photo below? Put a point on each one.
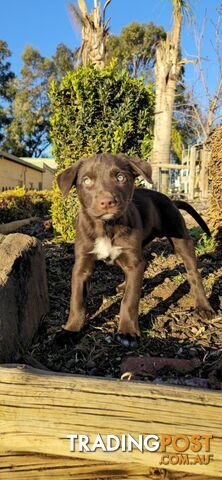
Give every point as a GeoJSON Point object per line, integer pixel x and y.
{"type": "Point", "coordinates": [87, 181]}
{"type": "Point", "coordinates": [120, 177]}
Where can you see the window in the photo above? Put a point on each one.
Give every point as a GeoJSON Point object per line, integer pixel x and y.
{"type": "Point", "coordinates": [40, 185]}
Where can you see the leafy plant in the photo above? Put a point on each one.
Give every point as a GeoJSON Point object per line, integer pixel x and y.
{"type": "Point", "coordinates": [19, 204]}
{"type": "Point", "coordinates": [96, 111]}
{"type": "Point", "coordinates": [205, 244]}
{"type": "Point", "coordinates": [179, 278]}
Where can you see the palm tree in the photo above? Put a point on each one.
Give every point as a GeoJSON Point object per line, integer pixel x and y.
{"type": "Point", "coordinates": [167, 72]}
{"type": "Point", "coordinates": [94, 31]}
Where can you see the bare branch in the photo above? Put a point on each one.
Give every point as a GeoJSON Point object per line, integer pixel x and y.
{"type": "Point", "coordinates": [184, 61]}
{"type": "Point", "coordinates": [199, 40]}
{"type": "Point", "coordinates": [211, 106]}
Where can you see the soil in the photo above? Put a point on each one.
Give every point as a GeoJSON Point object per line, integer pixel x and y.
{"type": "Point", "coordinates": [169, 326]}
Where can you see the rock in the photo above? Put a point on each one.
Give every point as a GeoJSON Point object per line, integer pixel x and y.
{"type": "Point", "coordinates": [23, 293]}
{"type": "Point", "coordinates": [152, 365]}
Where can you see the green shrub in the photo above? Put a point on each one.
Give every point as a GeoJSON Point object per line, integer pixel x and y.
{"type": "Point", "coordinates": [96, 111]}
{"type": "Point", "coordinates": [19, 203]}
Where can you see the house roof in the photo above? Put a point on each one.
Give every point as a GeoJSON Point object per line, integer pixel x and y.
{"type": "Point", "coordinates": [35, 163]}
{"type": "Point", "coordinates": [21, 161]}
{"type": "Point", "coordinates": [42, 162]}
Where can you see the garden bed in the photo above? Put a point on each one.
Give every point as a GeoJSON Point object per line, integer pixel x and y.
{"type": "Point", "coordinates": [39, 408]}
{"type": "Point", "coordinates": [170, 329]}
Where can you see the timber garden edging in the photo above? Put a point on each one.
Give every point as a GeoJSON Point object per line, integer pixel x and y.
{"type": "Point", "coordinates": [38, 409]}
{"type": "Point", "coordinates": [11, 227]}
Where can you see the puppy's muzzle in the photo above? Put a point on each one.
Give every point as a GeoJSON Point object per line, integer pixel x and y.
{"type": "Point", "coordinates": [107, 202]}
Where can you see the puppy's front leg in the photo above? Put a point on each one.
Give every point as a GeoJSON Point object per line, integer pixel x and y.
{"type": "Point", "coordinates": [133, 268]}
{"type": "Point", "coordinates": [81, 273]}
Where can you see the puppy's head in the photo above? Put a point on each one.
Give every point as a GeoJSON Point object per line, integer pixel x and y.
{"type": "Point", "coordinates": [104, 183]}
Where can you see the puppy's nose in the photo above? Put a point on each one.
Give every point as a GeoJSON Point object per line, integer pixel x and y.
{"type": "Point", "coordinates": [107, 202]}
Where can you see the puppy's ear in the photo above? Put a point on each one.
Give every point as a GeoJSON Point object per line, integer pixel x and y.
{"type": "Point", "coordinates": [68, 178]}
{"type": "Point", "coordinates": [140, 167]}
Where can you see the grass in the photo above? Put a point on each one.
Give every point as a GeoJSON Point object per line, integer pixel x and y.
{"type": "Point", "coordinates": [178, 278]}
{"type": "Point", "coordinates": [203, 243]}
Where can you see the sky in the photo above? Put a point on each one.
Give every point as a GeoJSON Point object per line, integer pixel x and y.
{"type": "Point", "coordinates": [46, 23]}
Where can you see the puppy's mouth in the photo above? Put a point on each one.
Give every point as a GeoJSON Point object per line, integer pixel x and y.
{"type": "Point", "coordinates": [109, 214]}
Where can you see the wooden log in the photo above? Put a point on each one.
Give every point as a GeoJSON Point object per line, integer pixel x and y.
{"type": "Point", "coordinates": [11, 227]}
{"type": "Point", "coordinates": [39, 409]}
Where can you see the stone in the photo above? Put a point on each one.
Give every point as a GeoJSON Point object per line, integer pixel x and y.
{"type": "Point", "coordinates": [23, 293]}
{"type": "Point", "coordinates": [152, 365]}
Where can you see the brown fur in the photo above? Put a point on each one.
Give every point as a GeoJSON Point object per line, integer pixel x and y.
{"type": "Point", "coordinates": [126, 219]}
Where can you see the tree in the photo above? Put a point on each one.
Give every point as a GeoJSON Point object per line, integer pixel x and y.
{"type": "Point", "coordinates": [208, 113]}
{"type": "Point", "coordinates": [94, 32]}
{"type": "Point", "coordinates": [28, 133]}
{"type": "Point", "coordinates": [64, 60]}
{"type": "Point", "coordinates": [202, 106]}
{"type": "Point", "coordinates": [167, 67]}
{"type": "Point", "coordinates": [135, 47]}
{"type": "Point", "coordinates": [7, 90]}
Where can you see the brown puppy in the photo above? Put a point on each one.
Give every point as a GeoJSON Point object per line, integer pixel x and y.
{"type": "Point", "coordinates": [115, 223]}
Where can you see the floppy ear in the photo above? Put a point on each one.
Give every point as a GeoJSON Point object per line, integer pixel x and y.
{"type": "Point", "coordinates": [140, 167]}
{"type": "Point", "coordinates": [67, 178]}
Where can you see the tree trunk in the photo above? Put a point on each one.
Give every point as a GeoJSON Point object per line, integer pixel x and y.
{"type": "Point", "coordinates": [167, 71]}
{"type": "Point", "coordinates": [94, 35]}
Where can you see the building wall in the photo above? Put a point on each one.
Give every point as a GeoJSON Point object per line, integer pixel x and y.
{"type": "Point", "coordinates": [48, 178]}
{"type": "Point", "coordinates": [13, 175]}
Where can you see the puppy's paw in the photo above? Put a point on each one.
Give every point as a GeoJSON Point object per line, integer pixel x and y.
{"type": "Point", "coordinates": [126, 340]}
{"type": "Point", "coordinates": [64, 337]}
{"type": "Point", "coordinates": [121, 287]}
{"type": "Point", "coordinates": [206, 313]}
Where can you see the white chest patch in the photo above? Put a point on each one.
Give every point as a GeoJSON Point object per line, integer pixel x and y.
{"type": "Point", "coordinates": [104, 249]}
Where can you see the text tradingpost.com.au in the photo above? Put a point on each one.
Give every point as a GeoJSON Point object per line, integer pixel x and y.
{"type": "Point", "coordinates": [184, 449]}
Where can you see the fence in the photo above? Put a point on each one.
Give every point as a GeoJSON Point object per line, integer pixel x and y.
{"type": "Point", "coordinates": [190, 178]}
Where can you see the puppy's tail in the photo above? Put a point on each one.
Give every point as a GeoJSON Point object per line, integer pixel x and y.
{"type": "Point", "coordinates": [188, 208]}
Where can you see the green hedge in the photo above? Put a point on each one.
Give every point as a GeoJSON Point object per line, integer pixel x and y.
{"type": "Point", "coordinates": [19, 203]}
{"type": "Point", "coordinates": [96, 111]}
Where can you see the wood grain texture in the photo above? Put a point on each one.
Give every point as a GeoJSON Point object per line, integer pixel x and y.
{"type": "Point", "coordinates": [44, 467]}
{"type": "Point", "coordinates": [38, 409]}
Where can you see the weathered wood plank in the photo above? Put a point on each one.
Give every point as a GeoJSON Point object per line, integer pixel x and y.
{"type": "Point", "coordinates": [37, 467]}
{"type": "Point", "coordinates": [38, 409]}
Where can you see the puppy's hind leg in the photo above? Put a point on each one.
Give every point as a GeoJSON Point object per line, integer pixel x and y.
{"type": "Point", "coordinates": [184, 247]}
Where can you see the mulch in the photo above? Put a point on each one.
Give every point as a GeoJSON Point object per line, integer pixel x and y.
{"type": "Point", "coordinates": [171, 331]}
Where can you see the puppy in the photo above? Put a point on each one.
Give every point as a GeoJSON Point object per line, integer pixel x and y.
{"type": "Point", "coordinates": [115, 223]}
